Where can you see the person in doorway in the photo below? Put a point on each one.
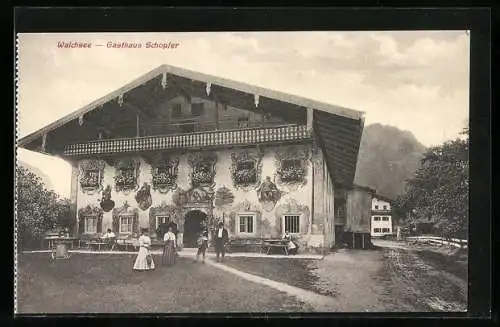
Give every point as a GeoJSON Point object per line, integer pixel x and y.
{"type": "Point", "coordinates": [202, 245]}
{"type": "Point", "coordinates": [291, 246]}
{"type": "Point", "coordinates": [169, 252]}
{"type": "Point", "coordinates": [144, 260]}
{"type": "Point", "coordinates": [221, 237]}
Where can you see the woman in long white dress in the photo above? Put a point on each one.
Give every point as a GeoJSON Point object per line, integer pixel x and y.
{"type": "Point", "coordinates": [144, 260]}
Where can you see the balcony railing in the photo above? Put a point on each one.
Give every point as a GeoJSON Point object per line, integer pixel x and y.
{"type": "Point", "coordinates": [192, 140]}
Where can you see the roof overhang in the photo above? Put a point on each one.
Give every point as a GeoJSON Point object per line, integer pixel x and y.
{"type": "Point", "coordinates": [337, 129]}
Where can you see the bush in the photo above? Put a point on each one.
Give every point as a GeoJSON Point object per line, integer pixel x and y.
{"type": "Point", "coordinates": [38, 209]}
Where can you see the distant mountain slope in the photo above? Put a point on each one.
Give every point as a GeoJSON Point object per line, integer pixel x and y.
{"type": "Point", "coordinates": [39, 173]}
{"type": "Point", "coordinates": [387, 157]}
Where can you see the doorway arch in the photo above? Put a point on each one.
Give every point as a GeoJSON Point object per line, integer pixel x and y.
{"type": "Point", "coordinates": [193, 226]}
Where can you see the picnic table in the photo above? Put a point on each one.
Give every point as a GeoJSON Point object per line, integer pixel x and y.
{"type": "Point", "coordinates": [54, 239]}
{"type": "Point", "coordinates": [268, 245]}
{"type": "Point", "coordinates": [126, 242]}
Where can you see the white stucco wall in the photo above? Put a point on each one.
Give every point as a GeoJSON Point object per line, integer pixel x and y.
{"type": "Point", "coordinates": [378, 204]}
{"type": "Point", "coordinates": [300, 195]}
{"type": "Point", "coordinates": [379, 224]}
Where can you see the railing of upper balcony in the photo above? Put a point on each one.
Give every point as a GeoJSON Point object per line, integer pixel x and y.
{"type": "Point", "coordinates": [246, 136]}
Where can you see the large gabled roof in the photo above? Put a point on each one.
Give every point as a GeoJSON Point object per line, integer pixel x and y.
{"type": "Point", "coordinates": [337, 129]}
{"type": "Point", "coordinates": [243, 87]}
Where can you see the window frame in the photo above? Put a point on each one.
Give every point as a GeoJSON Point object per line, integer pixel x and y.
{"type": "Point", "coordinates": [376, 207]}
{"type": "Point", "coordinates": [385, 230]}
{"type": "Point", "coordinates": [157, 225]}
{"type": "Point", "coordinates": [86, 219]}
{"type": "Point", "coordinates": [385, 218]}
{"type": "Point", "coordinates": [377, 218]}
{"type": "Point", "coordinates": [254, 223]}
{"type": "Point", "coordinates": [120, 224]}
{"type": "Point", "coordinates": [377, 230]}
{"type": "Point", "coordinates": [283, 223]}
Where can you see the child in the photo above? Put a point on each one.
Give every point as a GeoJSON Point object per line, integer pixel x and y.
{"type": "Point", "coordinates": [202, 245]}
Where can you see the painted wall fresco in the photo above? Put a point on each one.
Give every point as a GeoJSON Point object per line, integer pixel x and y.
{"type": "Point", "coordinates": [220, 200]}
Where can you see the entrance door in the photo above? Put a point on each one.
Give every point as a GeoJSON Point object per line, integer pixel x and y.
{"type": "Point", "coordinates": [193, 226]}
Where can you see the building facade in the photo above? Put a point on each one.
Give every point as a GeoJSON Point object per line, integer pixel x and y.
{"type": "Point", "coordinates": [381, 217]}
{"type": "Point", "coordinates": [192, 149]}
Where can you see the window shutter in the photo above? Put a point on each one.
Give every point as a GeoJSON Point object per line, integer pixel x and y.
{"type": "Point", "coordinates": [116, 224]}
{"type": "Point", "coordinates": [81, 225]}
{"type": "Point", "coordinates": [303, 224]}
{"type": "Point", "coordinates": [279, 224]}
{"type": "Point", "coordinates": [135, 224]}
{"type": "Point", "coordinates": [99, 224]}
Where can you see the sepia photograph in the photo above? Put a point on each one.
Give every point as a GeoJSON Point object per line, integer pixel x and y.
{"type": "Point", "coordinates": [242, 172]}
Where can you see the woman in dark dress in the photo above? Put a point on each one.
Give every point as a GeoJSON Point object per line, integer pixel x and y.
{"type": "Point", "coordinates": [169, 248]}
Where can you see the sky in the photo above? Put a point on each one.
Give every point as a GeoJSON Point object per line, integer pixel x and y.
{"type": "Point", "coordinates": [414, 80]}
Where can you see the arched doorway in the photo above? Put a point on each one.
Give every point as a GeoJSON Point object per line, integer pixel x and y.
{"type": "Point", "coordinates": [193, 226]}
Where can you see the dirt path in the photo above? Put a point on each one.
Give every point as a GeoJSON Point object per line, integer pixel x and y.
{"type": "Point", "coordinates": [422, 280]}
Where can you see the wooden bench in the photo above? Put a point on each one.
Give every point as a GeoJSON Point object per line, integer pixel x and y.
{"type": "Point", "coordinates": [268, 247]}
{"type": "Point", "coordinates": [244, 245]}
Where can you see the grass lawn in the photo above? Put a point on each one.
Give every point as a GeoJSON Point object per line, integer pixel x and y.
{"type": "Point", "coordinates": [107, 284]}
{"type": "Point", "coordinates": [295, 272]}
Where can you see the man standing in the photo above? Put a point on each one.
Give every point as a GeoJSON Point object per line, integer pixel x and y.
{"type": "Point", "coordinates": [221, 237]}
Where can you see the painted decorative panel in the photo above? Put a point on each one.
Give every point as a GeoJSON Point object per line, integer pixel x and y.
{"type": "Point", "coordinates": [268, 194]}
{"type": "Point", "coordinates": [143, 197]}
{"type": "Point", "coordinates": [203, 168]}
{"type": "Point", "coordinates": [246, 168]}
{"type": "Point", "coordinates": [106, 203]}
{"type": "Point", "coordinates": [164, 171]}
{"type": "Point", "coordinates": [91, 175]}
{"type": "Point", "coordinates": [127, 174]}
{"type": "Point", "coordinates": [291, 165]}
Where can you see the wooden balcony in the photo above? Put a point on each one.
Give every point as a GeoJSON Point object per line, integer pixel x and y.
{"type": "Point", "coordinates": [276, 134]}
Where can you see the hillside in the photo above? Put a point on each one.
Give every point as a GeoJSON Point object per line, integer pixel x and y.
{"type": "Point", "coordinates": [387, 157]}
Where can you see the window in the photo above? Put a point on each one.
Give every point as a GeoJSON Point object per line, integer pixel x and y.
{"type": "Point", "coordinates": [161, 220]}
{"type": "Point", "coordinates": [125, 224]}
{"type": "Point", "coordinates": [176, 110]}
{"type": "Point", "coordinates": [91, 225]}
{"type": "Point", "coordinates": [376, 218]}
{"type": "Point", "coordinates": [376, 207]}
{"type": "Point", "coordinates": [246, 223]}
{"type": "Point", "coordinates": [385, 207]}
{"type": "Point", "coordinates": [385, 218]}
{"type": "Point", "coordinates": [243, 122]}
{"type": "Point", "coordinates": [291, 223]}
{"type": "Point", "coordinates": [197, 109]}
{"type": "Point", "coordinates": [385, 230]}
{"type": "Point", "coordinates": [376, 230]}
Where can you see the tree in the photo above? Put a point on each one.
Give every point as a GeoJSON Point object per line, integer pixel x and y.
{"type": "Point", "coordinates": [440, 187]}
{"type": "Point", "coordinates": [38, 209]}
